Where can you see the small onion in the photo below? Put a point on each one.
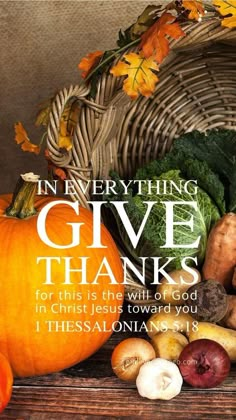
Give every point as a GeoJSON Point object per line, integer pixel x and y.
{"type": "Point", "coordinates": [204, 363]}
{"type": "Point", "coordinates": [129, 355]}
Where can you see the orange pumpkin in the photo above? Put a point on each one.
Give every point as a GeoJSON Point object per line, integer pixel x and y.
{"type": "Point", "coordinates": [6, 382]}
{"type": "Point", "coordinates": [48, 327]}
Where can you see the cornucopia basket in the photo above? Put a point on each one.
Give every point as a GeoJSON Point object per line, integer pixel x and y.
{"type": "Point", "coordinates": [196, 90]}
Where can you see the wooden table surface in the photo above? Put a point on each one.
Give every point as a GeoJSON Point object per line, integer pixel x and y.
{"type": "Point", "coordinates": [90, 390]}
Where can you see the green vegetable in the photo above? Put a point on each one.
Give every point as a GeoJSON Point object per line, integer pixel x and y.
{"type": "Point", "coordinates": [217, 148]}
{"type": "Point", "coordinates": [190, 169]}
{"type": "Point", "coordinates": [154, 234]}
{"type": "Point", "coordinates": [210, 159]}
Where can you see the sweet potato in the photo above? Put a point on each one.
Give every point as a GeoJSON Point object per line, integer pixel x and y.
{"type": "Point", "coordinates": [220, 257]}
{"type": "Point", "coordinates": [229, 319]}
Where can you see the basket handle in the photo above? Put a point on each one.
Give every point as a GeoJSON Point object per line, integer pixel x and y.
{"type": "Point", "coordinates": [109, 119]}
{"type": "Point", "coordinates": [58, 106]}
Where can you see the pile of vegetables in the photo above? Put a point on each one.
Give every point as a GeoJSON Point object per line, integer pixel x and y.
{"type": "Point", "coordinates": [208, 159]}
{"type": "Point", "coordinates": [198, 345]}
{"type": "Point", "coordinates": [195, 347]}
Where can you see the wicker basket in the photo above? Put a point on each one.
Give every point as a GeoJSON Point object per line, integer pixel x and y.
{"type": "Point", "coordinates": [197, 90]}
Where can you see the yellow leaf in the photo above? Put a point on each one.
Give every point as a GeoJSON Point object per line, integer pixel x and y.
{"type": "Point", "coordinates": [65, 140]}
{"type": "Point", "coordinates": [70, 116]}
{"type": "Point", "coordinates": [68, 121]}
{"type": "Point", "coordinates": [195, 9]}
{"type": "Point", "coordinates": [22, 138]}
{"type": "Point", "coordinates": [63, 128]}
{"type": "Point", "coordinates": [227, 8]}
{"type": "Point", "coordinates": [230, 22]}
{"type": "Point", "coordinates": [139, 71]}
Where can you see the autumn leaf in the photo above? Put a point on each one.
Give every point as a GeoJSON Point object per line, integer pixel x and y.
{"type": "Point", "coordinates": [68, 121]}
{"type": "Point", "coordinates": [42, 117]}
{"type": "Point", "coordinates": [139, 71]}
{"type": "Point", "coordinates": [60, 173]}
{"type": "Point", "coordinates": [22, 138]}
{"type": "Point", "coordinates": [227, 8]}
{"type": "Point", "coordinates": [154, 43]}
{"type": "Point", "coordinates": [71, 115]}
{"type": "Point", "coordinates": [88, 62]}
{"type": "Point", "coordinates": [144, 21]}
{"type": "Point", "coordinates": [65, 142]}
{"type": "Point", "coordinates": [194, 8]}
{"type": "Point", "coordinates": [64, 139]}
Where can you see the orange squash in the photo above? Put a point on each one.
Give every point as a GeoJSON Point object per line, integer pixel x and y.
{"type": "Point", "coordinates": [6, 382]}
{"type": "Point", "coordinates": [48, 327]}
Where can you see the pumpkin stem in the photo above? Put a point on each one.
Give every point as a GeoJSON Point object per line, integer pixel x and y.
{"type": "Point", "coordinates": [22, 204]}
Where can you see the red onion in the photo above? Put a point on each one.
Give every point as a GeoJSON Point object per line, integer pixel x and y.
{"type": "Point", "coordinates": [204, 363]}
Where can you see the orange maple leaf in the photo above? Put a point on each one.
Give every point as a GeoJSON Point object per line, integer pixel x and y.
{"type": "Point", "coordinates": [139, 71]}
{"type": "Point", "coordinates": [195, 9]}
{"type": "Point", "coordinates": [154, 42]}
{"type": "Point", "coordinates": [227, 8]}
{"type": "Point", "coordinates": [88, 62]}
{"type": "Point", "coordinates": [22, 138]}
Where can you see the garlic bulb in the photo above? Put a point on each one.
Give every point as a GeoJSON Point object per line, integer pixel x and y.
{"type": "Point", "coordinates": [159, 379]}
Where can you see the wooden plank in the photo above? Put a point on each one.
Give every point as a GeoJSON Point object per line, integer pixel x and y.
{"type": "Point", "coordinates": [96, 371]}
{"type": "Point", "coordinates": [87, 375]}
{"type": "Point", "coordinates": [51, 403]}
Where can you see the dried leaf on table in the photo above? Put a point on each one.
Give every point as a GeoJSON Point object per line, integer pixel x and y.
{"type": "Point", "coordinates": [21, 137]}
{"type": "Point", "coordinates": [154, 42]}
{"type": "Point", "coordinates": [88, 62]}
{"type": "Point", "coordinates": [140, 74]}
{"type": "Point", "coordinates": [227, 8]}
{"type": "Point", "coordinates": [194, 8]}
